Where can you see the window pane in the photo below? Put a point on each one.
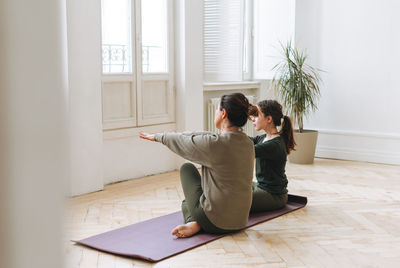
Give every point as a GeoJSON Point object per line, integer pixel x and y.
{"type": "Point", "coordinates": [154, 36]}
{"type": "Point", "coordinates": [116, 36]}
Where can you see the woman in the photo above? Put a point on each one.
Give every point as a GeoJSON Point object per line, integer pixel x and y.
{"type": "Point", "coordinates": [271, 150]}
{"type": "Point", "coordinates": [218, 201]}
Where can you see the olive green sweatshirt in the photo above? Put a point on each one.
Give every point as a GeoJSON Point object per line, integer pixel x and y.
{"type": "Point", "coordinates": [227, 161]}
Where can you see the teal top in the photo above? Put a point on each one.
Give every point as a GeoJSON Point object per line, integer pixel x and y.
{"type": "Point", "coordinates": [270, 164]}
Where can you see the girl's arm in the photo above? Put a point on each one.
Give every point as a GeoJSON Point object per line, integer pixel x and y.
{"type": "Point", "coordinates": [267, 150]}
{"type": "Point", "coordinates": [254, 139]}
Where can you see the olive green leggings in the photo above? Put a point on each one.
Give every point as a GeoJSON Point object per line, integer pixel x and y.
{"type": "Point", "coordinates": [191, 207]}
{"type": "Point", "coordinates": [264, 201]}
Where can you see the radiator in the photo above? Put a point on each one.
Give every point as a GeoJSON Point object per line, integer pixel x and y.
{"type": "Point", "coordinates": [212, 107]}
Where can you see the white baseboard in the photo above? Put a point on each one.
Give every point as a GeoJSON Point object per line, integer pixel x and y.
{"type": "Point", "coordinates": [359, 146]}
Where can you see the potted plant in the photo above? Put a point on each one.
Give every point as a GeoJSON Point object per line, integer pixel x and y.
{"type": "Point", "coordinates": [296, 85]}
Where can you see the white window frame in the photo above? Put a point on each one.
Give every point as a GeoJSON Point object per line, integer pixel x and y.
{"type": "Point", "coordinates": [143, 119]}
{"type": "Point", "coordinates": [249, 12]}
{"type": "Point", "coordinates": [136, 78]}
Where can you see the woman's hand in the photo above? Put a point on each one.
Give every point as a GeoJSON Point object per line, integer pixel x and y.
{"type": "Point", "coordinates": [146, 136]}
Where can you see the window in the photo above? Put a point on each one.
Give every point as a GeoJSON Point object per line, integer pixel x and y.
{"type": "Point", "coordinates": [154, 36]}
{"type": "Point", "coordinates": [116, 44]}
{"type": "Point", "coordinates": [223, 35]}
{"type": "Point", "coordinates": [242, 37]}
{"type": "Point", "coordinates": [137, 63]}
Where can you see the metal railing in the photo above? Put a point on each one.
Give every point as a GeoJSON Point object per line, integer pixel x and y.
{"type": "Point", "coordinates": [116, 58]}
{"type": "Point", "coordinates": [146, 57]}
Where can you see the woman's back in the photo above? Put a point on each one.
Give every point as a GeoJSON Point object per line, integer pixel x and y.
{"type": "Point", "coordinates": [227, 165]}
{"type": "Point", "coordinates": [219, 201]}
{"type": "Point", "coordinates": [227, 180]}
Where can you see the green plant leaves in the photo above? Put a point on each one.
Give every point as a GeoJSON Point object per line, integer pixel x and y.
{"type": "Point", "coordinates": [296, 84]}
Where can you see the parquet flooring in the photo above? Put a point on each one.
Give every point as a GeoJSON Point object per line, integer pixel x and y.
{"type": "Point", "coordinates": [352, 220]}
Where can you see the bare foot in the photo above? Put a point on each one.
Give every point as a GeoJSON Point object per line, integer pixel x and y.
{"type": "Point", "coordinates": [187, 229]}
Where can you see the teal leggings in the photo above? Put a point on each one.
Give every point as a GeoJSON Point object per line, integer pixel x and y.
{"type": "Point", "coordinates": [265, 201]}
{"type": "Point", "coordinates": [191, 207]}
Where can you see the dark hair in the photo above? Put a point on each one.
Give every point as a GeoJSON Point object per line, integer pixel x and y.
{"type": "Point", "coordinates": [274, 109]}
{"type": "Point", "coordinates": [237, 108]}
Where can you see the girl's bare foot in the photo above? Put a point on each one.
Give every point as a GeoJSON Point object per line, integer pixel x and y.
{"type": "Point", "coordinates": [187, 229]}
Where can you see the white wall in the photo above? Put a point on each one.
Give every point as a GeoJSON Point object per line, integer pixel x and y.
{"type": "Point", "coordinates": [189, 65]}
{"type": "Point", "coordinates": [126, 156]}
{"type": "Point", "coordinates": [84, 67]}
{"type": "Point", "coordinates": [34, 132]}
{"type": "Point", "coordinates": [274, 23]}
{"type": "Point", "coordinates": [356, 43]}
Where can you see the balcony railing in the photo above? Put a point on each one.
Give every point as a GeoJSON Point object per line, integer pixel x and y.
{"type": "Point", "coordinates": [146, 56]}
{"type": "Point", "coordinates": [116, 58]}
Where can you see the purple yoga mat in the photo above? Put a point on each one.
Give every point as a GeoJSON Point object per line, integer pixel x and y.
{"type": "Point", "coordinates": [151, 240]}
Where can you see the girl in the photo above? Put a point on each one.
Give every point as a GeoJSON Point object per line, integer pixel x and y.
{"type": "Point", "coordinates": [271, 150]}
{"type": "Point", "coordinates": [218, 201]}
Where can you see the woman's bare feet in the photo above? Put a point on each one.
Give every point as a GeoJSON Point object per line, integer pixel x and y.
{"type": "Point", "coordinates": [187, 229]}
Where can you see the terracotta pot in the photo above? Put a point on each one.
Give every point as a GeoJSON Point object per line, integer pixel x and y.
{"type": "Point", "coordinates": [305, 148]}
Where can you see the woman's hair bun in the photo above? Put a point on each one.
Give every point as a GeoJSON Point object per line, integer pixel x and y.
{"type": "Point", "coordinates": [237, 108]}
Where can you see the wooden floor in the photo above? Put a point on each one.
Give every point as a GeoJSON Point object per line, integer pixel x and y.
{"type": "Point", "coordinates": [352, 220]}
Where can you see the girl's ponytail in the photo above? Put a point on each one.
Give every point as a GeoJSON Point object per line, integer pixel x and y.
{"type": "Point", "coordinates": [287, 134]}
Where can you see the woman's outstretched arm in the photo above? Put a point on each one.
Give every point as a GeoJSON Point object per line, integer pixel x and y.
{"type": "Point", "coordinates": [146, 136]}
{"type": "Point", "coordinates": [193, 147]}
